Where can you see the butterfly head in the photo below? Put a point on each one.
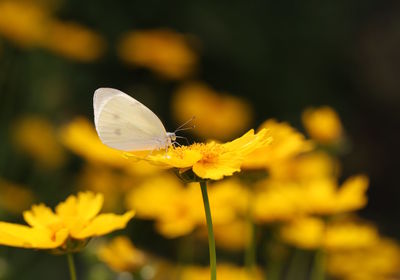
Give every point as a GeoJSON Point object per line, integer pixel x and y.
{"type": "Point", "coordinates": [171, 137]}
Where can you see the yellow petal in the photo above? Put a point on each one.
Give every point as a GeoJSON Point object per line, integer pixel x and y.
{"type": "Point", "coordinates": [352, 194]}
{"type": "Point", "coordinates": [40, 216]}
{"type": "Point", "coordinates": [214, 171]}
{"type": "Point", "coordinates": [175, 228]}
{"type": "Point", "coordinates": [177, 158]}
{"type": "Point", "coordinates": [23, 236]}
{"type": "Point", "coordinates": [304, 232]}
{"type": "Point", "coordinates": [243, 140]}
{"type": "Point", "coordinates": [103, 224]}
{"type": "Point", "coordinates": [286, 143]}
{"type": "Point", "coordinates": [121, 255]}
{"type": "Point", "coordinates": [322, 124]}
{"type": "Point", "coordinates": [85, 206]}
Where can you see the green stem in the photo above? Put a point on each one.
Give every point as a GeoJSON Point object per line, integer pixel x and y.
{"type": "Point", "coordinates": [318, 270]}
{"type": "Point", "coordinates": [250, 251]}
{"type": "Point", "coordinates": [211, 240]}
{"type": "Point", "coordinates": [297, 268]}
{"type": "Point", "coordinates": [71, 266]}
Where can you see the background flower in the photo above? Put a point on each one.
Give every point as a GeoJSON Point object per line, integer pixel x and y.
{"type": "Point", "coordinates": [217, 115]}
{"type": "Point", "coordinates": [164, 51]}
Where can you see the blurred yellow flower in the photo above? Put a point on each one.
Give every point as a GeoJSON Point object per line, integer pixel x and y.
{"type": "Point", "coordinates": [23, 22]}
{"type": "Point", "coordinates": [162, 50]}
{"type": "Point", "coordinates": [14, 198]}
{"type": "Point", "coordinates": [211, 160]}
{"type": "Point", "coordinates": [46, 149]}
{"type": "Point", "coordinates": [74, 41]}
{"type": "Point", "coordinates": [305, 233]}
{"type": "Point", "coordinates": [177, 209]}
{"type": "Point", "coordinates": [107, 181]}
{"type": "Point", "coordinates": [286, 143]}
{"type": "Point", "coordinates": [184, 211]}
{"type": "Point", "coordinates": [121, 255]}
{"type": "Point", "coordinates": [164, 198]}
{"type": "Point", "coordinates": [274, 201]}
{"type": "Point", "coordinates": [229, 199]}
{"type": "Point", "coordinates": [74, 219]}
{"type": "Point", "coordinates": [150, 198]}
{"type": "Point", "coordinates": [322, 124]}
{"type": "Point", "coordinates": [323, 196]}
{"type": "Point", "coordinates": [348, 235]}
{"type": "Point", "coordinates": [218, 115]}
{"type": "Point", "coordinates": [308, 166]}
{"type": "Point", "coordinates": [80, 136]}
{"type": "Point", "coordinates": [314, 233]}
{"type": "Point", "coordinates": [29, 24]}
{"type": "Point", "coordinates": [225, 271]}
{"type": "Point", "coordinates": [377, 262]}
{"type": "Point", "coordinates": [183, 214]}
{"type": "Point", "coordinates": [231, 236]}
{"type": "Point", "coordinates": [277, 200]}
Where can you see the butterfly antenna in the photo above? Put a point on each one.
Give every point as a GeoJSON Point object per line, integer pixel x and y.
{"type": "Point", "coordinates": [182, 126]}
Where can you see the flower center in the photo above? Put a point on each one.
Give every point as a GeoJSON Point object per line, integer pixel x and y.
{"type": "Point", "coordinates": [211, 152]}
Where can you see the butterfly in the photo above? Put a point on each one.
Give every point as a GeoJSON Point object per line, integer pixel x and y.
{"type": "Point", "coordinates": [125, 124]}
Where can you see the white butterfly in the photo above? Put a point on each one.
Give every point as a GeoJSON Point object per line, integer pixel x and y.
{"type": "Point", "coordinates": [123, 123]}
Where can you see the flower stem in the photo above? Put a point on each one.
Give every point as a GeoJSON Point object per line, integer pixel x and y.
{"type": "Point", "coordinates": [250, 251]}
{"type": "Point", "coordinates": [71, 266]}
{"type": "Point", "coordinates": [318, 272]}
{"type": "Point", "coordinates": [211, 240]}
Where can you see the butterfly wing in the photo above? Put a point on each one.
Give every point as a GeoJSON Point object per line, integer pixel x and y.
{"type": "Point", "coordinates": [123, 123]}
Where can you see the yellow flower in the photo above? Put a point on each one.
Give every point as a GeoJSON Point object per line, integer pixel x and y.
{"type": "Point", "coordinates": [306, 166]}
{"type": "Point", "coordinates": [218, 115]}
{"type": "Point", "coordinates": [121, 255]}
{"type": "Point", "coordinates": [164, 198]}
{"type": "Point", "coordinates": [348, 235]}
{"type": "Point", "coordinates": [274, 201]}
{"type": "Point", "coordinates": [322, 124]}
{"type": "Point", "coordinates": [73, 41]}
{"type": "Point", "coordinates": [80, 136]}
{"type": "Point", "coordinates": [352, 194]}
{"type": "Point", "coordinates": [30, 25]}
{"type": "Point", "coordinates": [211, 160]}
{"type": "Point", "coordinates": [322, 196]}
{"type": "Point", "coordinates": [14, 198]}
{"type": "Point", "coordinates": [286, 144]}
{"type": "Point", "coordinates": [161, 50]}
{"type": "Point", "coordinates": [232, 236]}
{"type": "Point", "coordinates": [183, 214]}
{"type": "Point", "coordinates": [305, 233]}
{"type": "Point", "coordinates": [178, 209]}
{"type": "Point", "coordinates": [377, 262]}
{"type": "Point", "coordinates": [74, 219]}
{"type": "Point", "coordinates": [225, 271]}
{"type": "Point", "coordinates": [46, 149]}
{"type": "Point", "coordinates": [277, 200]}
{"type": "Point", "coordinates": [313, 233]}
{"type": "Point", "coordinates": [23, 22]}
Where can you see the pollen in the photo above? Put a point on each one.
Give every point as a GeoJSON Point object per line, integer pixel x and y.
{"type": "Point", "coordinates": [210, 152]}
